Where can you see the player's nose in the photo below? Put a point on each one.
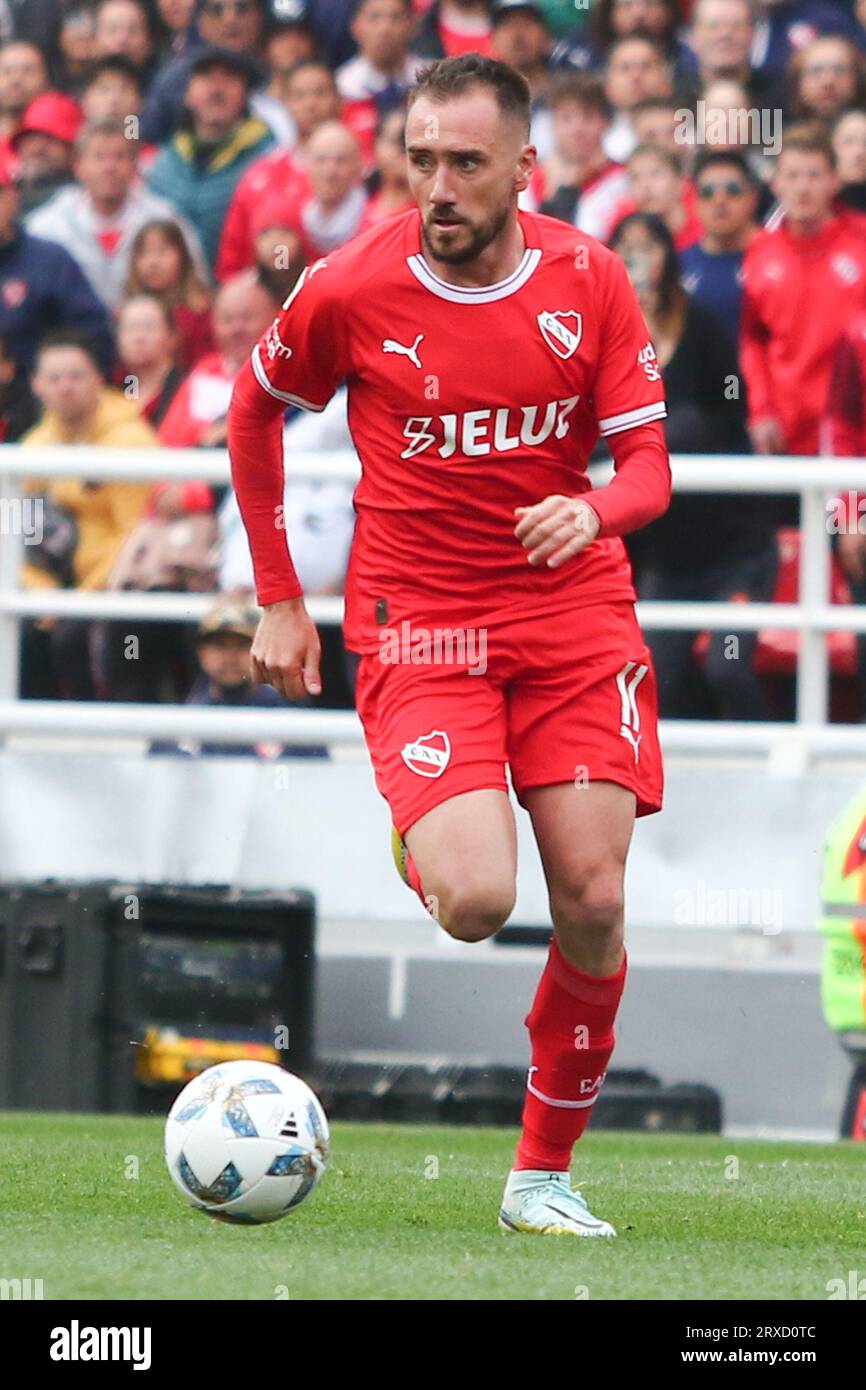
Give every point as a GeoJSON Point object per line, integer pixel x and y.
{"type": "Point", "coordinates": [441, 194]}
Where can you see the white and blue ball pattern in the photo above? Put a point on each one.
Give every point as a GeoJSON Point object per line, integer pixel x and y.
{"type": "Point", "coordinates": [246, 1142]}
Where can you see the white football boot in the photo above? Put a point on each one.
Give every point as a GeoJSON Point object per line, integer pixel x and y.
{"type": "Point", "coordinates": [545, 1204]}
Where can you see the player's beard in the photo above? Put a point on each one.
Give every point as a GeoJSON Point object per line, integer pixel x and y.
{"type": "Point", "coordinates": [482, 234]}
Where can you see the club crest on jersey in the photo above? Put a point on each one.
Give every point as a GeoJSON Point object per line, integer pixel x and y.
{"type": "Point", "coordinates": [429, 755]}
{"type": "Point", "coordinates": [562, 330]}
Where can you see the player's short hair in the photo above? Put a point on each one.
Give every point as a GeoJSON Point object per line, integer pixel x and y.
{"type": "Point", "coordinates": [661, 152]}
{"type": "Point", "coordinates": [70, 338]}
{"type": "Point", "coordinates": [583, 88]}
{"type": "Point", "coordinates": [451, 77]}
{"type": "Point", "coordinates": [809, 137]}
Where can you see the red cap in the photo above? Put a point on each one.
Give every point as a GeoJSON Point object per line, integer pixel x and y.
{"type": "Point", "coordinates": [52, 113]}
{"type": "Point", "coordinates": [8, 166]}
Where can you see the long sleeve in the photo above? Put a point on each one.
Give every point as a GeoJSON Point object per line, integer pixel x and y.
{"type": "Point", "coordinates": [641, 490]}
{"type": "Point", "coordinates": [255, 439]}
{"type": "Point", "coordinates": [299, 361]}
{"type": "Point", "coordinates": [754, 343]}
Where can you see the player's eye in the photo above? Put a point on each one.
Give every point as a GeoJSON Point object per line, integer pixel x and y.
{"type": "Point", "coordinates": [467, 162]}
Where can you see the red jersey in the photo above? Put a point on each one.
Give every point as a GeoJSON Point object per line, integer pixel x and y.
{"type": "Point", "coordinates": [275, 178]}
{"type": "Point", "coordinates": [798, 295]}
{"type": "Point", "coordinates": [464, 403]}
{"type": "Point", "coordinates": [846, 402]}
{"type": "Point", "coordinates": [202, 398]}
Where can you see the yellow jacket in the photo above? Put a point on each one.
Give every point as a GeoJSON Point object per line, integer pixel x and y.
{"type": "Point", "coordinates": [105, 513]}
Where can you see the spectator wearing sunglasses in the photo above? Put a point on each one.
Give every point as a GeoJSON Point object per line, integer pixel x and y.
{"type": "Point", "coordinates": [711, 268]}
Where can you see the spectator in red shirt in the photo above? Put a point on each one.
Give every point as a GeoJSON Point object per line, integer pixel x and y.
{"type": "Point", "coordinates": [578, 182]}
{"type": "Point", "coordinates": [658, 186]}
{"type": "Point", "coordinates": [803, 280]}
{"type": "Point", "coordinates": [160, 264]}
{"type": "Point", "coordinates": [242, 313]}
{"type": "Point", "coordinates": [23, 77]}
{"type": "Point", "coordinates": [279, 178]}
{"type": "Point", "coordinates": [379, 77]}
{"type": "Point", "coordinates": [450, 27]}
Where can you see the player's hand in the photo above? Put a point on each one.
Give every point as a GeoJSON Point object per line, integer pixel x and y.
{"type": "Point", "coordinates": [286, 651]}
{"type": "Point", "coordinates": [767, 437]}
{"type": "Point", "coordinates": [556, 529]}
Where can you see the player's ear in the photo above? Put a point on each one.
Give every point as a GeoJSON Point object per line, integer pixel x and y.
{"type": "Point", "coordinates": [525, 165]}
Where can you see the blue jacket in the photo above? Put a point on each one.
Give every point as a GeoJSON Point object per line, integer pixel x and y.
{"type": "Point", "coordinates": [42, 288]}
{"type": "Point", "coordinates": [202, 191]}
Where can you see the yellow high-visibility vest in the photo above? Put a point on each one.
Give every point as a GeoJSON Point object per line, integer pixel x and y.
{"type": "Point", "coordinates": [843, 919]}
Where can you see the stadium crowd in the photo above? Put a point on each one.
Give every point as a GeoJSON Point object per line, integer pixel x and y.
{"type": "Point", "coordinates": [168, 167]}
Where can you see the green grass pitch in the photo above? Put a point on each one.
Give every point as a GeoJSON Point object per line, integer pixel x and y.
{"type": "Point", "coordinates": [410, 1213]}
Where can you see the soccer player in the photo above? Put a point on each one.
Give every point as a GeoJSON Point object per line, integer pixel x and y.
{"type": "Point", "coordinates": [484, 349]}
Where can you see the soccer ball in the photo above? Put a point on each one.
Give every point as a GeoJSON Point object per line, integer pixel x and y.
{"type": "Point", "coordinates": [246, 1142]}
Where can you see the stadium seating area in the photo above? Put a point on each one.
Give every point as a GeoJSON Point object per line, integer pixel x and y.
{"type": "Point", "coordinates": [168, 167]}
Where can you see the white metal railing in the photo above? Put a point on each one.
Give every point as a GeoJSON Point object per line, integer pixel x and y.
{"type": "Point", "coordinates": [814, 480]}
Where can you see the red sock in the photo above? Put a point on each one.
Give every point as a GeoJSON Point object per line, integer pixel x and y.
{"type": "Point", "coordinates": [571, 1031]}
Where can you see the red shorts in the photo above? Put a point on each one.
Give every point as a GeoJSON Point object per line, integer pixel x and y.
{"type": "Point", "coordinates": [571, 698]}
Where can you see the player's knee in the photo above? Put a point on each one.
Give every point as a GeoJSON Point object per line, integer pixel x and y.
{"type": "Point", "coordinates": [473, 911]}
{"type": "Point", "coordinates": [593, 906]}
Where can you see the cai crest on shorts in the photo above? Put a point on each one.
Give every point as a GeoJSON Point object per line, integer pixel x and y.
{"type": "Point", "coordinates": [429, 755]}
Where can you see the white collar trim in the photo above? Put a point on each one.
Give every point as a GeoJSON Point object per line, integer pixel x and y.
{"type": "Point", "coordinates": [475, 294]}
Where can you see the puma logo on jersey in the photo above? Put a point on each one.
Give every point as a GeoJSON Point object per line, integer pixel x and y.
{"type": "Point", "coordinates": [627, 682]}
{"type": "Point", "coordinates": [478, 432]}
{"type": "Point", "coordinates": [389, 345]}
